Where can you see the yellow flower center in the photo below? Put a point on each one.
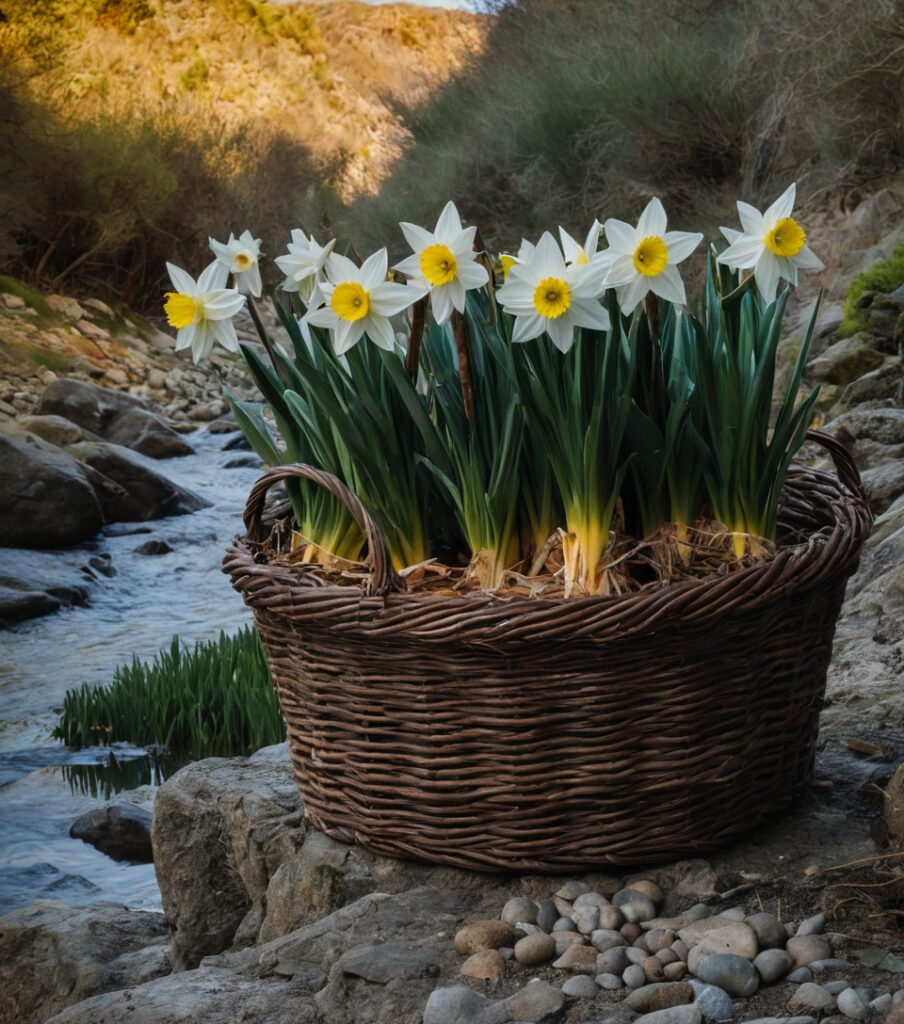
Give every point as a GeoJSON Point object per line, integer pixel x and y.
{"type": "Point", "coordinates": [507, 263]}
{"type": "Point", "coordinates": [438, 264]}
{"type": "Point", "coordinates": [242, 262]}
{"type": "Point", "coordinates": [180, 309]}
{"type": "Point", "coordinates": [552, 297]}
{"type": "Point", "coordinates": [787, 238]}
{"type": "Point", "coordinates": [651, 256]}
{"type": "Point", "coordinates": [350, 301]}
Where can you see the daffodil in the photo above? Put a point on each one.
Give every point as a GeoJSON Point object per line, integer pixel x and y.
{"type": "Point", "coordinates": [644, 259]}
{"type": "Point", "coordinates": [359, 301]}
{"type": "Point", "coordinates": [303, 265]}
{"type": "Point", "coordinates": [772, 244]}
{"type": "Point", "coordinates": [543, 293]}
{"type": "Point", "coordinates": [507, 261]}
{"type": "Point", "coordinates": [202, 310]}
{"type": "Point", "coordinates": [241, 258]}
{"type": "Point", "coordinates": [577, 255]}
{"type": "Point", "coordinates": [444, 262]}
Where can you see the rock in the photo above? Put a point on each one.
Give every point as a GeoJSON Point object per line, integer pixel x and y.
{"type": "Point", "coordinates": [733, 973]}
{"type": "Point", "coordinates": [565, 940]}
{"type": "Point", "coordinates": [536, 1002]}
{"type": "Point", "coordinates": [804, 949]}
{"type": "Point", "coordinates": [845, 360]}
{"type": "Point", "coordinates": [894, 806]}
{"type": "Point", "coordinates": [883, 484]}
{"type": "Point", "coordinates": [800, 975]}
{"type": "Point", "coordinates": [649, 998]}
{"type": "Point", "coordinates": [459, 1005]}
{"type": "Point", "coordinates": [675, 971]}
{"type": "Point", "coordinates": [578, 960]}
{"type": "Point", "coordinates": [720, 936]}
{"type": "Point", "coordinates": [154, 547]}
{"type": "Point", "coordinates": [53, 429]}
{"type": "Point", "coordinates": [853, 1005]}
{"type": "Point", "coordinates": [884, 426]}
{"type": "Point", "coordinates": [571, 890]}
{"type": "Point", "coordinates": [769, 931]}
{"type": "Point", "coordinates": [786, 1020]}
{"type": "Point", "coordinates": [659, 938]}
{"type": "Point", "coordinates": [653, 969]}
{"type": "Point", "coordinates": [209, 411]}
{"type": "Point", "coordinates": [113, 416]}
{"type": "Point", "coordinates": [586, 919]}
{"type": "Point", "coordinates": [46, 499]}
{"type": "Point", "coordinates": [772, 964]}
{"type": "Point", "coordinates": [581, 987]}
{"type": "Point", "coordinates": [612, 982]}
{"type": "Point", "coordinates": [812, 999]}
{"type": "Point", "coordinates": [12, 301]}
{"type": "Point", "coordinates": [65, 307]}
{"type": "Point", "coordinates": [835, 988]}
{"type": "Point", "coordinates": [648, 888]}
{"type": "Point", "coordinates": [488, 964]}
{"type": "Point", "coordinates": [881, 1004]}
{"type": "Point", "coordinates": [698, 912]}
{"type": "Point", "coordinates": [634, 976]}
{"type": "Point", "coordinates": [121, 831]}
{"type": "Point", "coordinates": [141, 493]}
{"type": "Point", "coordinates": [547, 915]}
{"type": "Point", "coordinates": [831, 964]}
{"type": "Point", "coordinates": [563, 924]}
{"type": "Point", "coordinates": [688, 1014]}
{"type": "Point", "coordinates": [604, 938]}
{"type": "Point", "coordinates": [613, 961]}
{"type": "Point", "coordinates": [680, 948]}
{"type": "Point", "coordinates": [519, 909]}
{"type": "Point", "coordinates": [812, 926]}
{"type": "Point", "coordinates": [714, 1003]}
{"type": "Point", "coordinates": [535, 949]}
{"type": "Point", "coordinates": [635, 906]}
{"type": "Point", "coordinates": [53, 955]}
{"type": "Point", "coordinates": [611, 918]}
{"type": "Point", "coordinates": [483, 935]}
{"type": "Point", "coordinates": [631, 931]}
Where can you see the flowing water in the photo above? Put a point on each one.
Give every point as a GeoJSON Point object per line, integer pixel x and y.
{"type": "Point", "coordinates": [43, 785]}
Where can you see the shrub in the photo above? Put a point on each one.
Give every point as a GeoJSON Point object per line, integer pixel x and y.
{"type": "Point", "coordinates": [214, 700]}
{"type": "Point", "coordinates": [883, 276]}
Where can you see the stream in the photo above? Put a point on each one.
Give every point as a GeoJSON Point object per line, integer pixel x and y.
{"type": "Point", "coordinates": [44, 786]}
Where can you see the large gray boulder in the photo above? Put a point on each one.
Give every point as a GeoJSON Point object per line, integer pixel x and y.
{"type": "Point", "coordinates": [53, 955]}
{"type": "Point", "coordinates": [46, 498]}
{"type": "Point", "coordinates": [140, 493]}
{"type": "Point", "coordinates": [113, 416]}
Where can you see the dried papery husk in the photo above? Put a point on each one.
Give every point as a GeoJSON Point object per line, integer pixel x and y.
{"type": "Point", "coordinates": [486, 567]}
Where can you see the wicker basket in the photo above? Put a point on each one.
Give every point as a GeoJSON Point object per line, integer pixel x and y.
{"type": "Point", "coordinates": [556, 735]}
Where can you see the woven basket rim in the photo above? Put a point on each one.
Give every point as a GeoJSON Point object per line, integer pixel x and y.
{"type": "Point", "coordinates": [487, 616]}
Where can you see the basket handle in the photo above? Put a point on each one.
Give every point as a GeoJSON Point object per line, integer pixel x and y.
{"type": "Point", "coordinates": [382, 577]}
{"type": "Point", "coordinates": [845, 466]}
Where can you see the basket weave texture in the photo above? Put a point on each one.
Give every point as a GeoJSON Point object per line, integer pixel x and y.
{"type": "Point", "coordinates": [556, 735]}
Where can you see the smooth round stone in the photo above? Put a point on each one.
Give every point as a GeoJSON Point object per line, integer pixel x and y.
{"type": "Point", "coordinates": [835, 987]}
{"type": "Point", "coordinates": [526, 928]}
{"type": "Point", "coordinates": [800, 975]}
{"type": "Point", "coordinates": [565, 940]}
{"type": "Point", "coordinates": [587, 919]}
{"type": "Point", "coordinates": [538, 948]}
{"type": "Point", "coordinates": [697, 912]}
{"type": "Point", "coordinates": [686, 1014]}
{"type": "Point", "coordinates": [519, 909]}
{"type": "Point", "coordinates": [613, 961]}
{"type": "Point", "coordinates": [507, 953]}
{"type": "Point", "coordinates": [707, 938]}
{"type": "Point", "coordinates": [810, 998]}
{"type": "Point", "coordinates": [770, 932]}
{"type": "Point", "coordinates": [714, 1003]}
{"type": "Point", "coordinates": [487, 965]}
{"type": "Point", "coordinates": [653, 969]}
{"type": "Point", "coordinates": [832, 964]}
{"type": "Point", "coordinates": [881, 1004]}
{"type": "Point", "coordinates": [634, 976]}
{"type": "Point", "coordinates": [563, 924]}
{"type": "Point", "coordinates": [604, 938]}
{"type": "Point", "coordinates": [804, 949]}
{"type": "Point", "coordinates": [612, 982]}
{"type": "Point", "coordinates": [635, 906]}
{"type": "Point", "coordinates": [648, 888]}
{"type": "Point", "coordinates": [675, 971]}
{"type": "Point", "coordinates": [772, 964]}
{"type": "Point", "coordinates": [578, 960]}
{"type": "Point", "coordinates": [666, 956]}
{"type": "Point", "coordinates": [590, 899]}
{"type": "Point", "coordinates": [580, 987]}
{"type": "Point", "coordinates": [483, 935]}
{"type": "Point", "coordinates": [897, 997]}
{"type": "Point", "coordinates": [680, 949]}
{"type": "Point", "coordinates": [852, 1004]}
{"type": "Point", "coordinates": [659, 938]}
{"type": "Point", "coordinates": [733, 914]}
{"type": "Point", "coordinates": [611, 917]}
{"type": "Point", "coordinates": [547, 915]}
{"type": "Point", "coordinates": [650, 998]}
{"type": "Point", "coordinates": [733, 973]}
{"type": "Point", "coordinates": [641, 943]}
{"type": "Point", "coordinates": [572, 889]}
{"type": "Point", "coordinates": [635, 955]}
{"type": "Point", "coordinates": [631, 931]}
{"type": "Point", "coordinates": [812, 926]}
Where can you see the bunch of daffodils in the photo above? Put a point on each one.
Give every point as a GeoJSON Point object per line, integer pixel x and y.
{"type": "Point", "coordinates": [527, 419]}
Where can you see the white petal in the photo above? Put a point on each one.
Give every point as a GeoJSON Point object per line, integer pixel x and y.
{"type": "Point", "coordinates": [621, 272]}
{"type": "Point", "coordinates": [806, 259]}
{"type": "Point", "coordinates": [418, 238]}
{"type": "Point", "coordinates": [387, 299]}
{"type": "Point", "coordinates": [184, 283]}
{"type": "Point", "coordinates": [731, 236]}
{"type": "Point", "coordinates": [621, 237]}
{"type": "Point", "coordinates": [456, 294]}
{"type": "Point", "coordinates": [592, 242]}
{"type": "Point", "coordinates": [463, 246]}
{"type": "Point", "coordinates": [224, 332]}
{"type": "Point", "coordinates": [743, 254]}
{"type": "Point", "coordinates": [528, 327]}
{"type": "Point", "coordinates": [341, 268]}
{"type": "Point", "coordinates": [681, 244]}
{"type": "Point", "coordinates": [561, 331]}
{"type": "Point", "coordinates": [254, 283]}
{"type": "Point", "coordinates": [547, 260]}
{"type": "Point", "coordinates": [411, 266]}
{"type": "Point", "coordinates": [589, 313]}
{"type": "Point", "coordinates": [379, 330]}
{"type": "Point", "coordinates": [669, 286]}
{"type": "Point", "coordinates": [516, 294]}
{"type": "Point", "coordinates": [185, 336]}
{"type": "Point", "coordinates": [374, 268]}
{"type": "Point", "coordinates": [213, 277]}
{"type": "Point", "coordinates": [222, 304]}
{"type": "Point", "coordinates": [347, 334]}
{"type": "Point", "coordinates": [782, 206]}
{"type": "Point", "coordinates": [472, 274]}
{"type": "Point", "coordinates": [751, 219]}
{"type": "Point", "coordinates": [441, 304]}
{"type": "Point", "coordinates": [448, 227]}
{"type": "Point", "coordinates": [767, 274]}
{"type": "Point", "coordinates": [632, 293]}
{"type": "Point", "coordinates": [653, 220]}
{"type": "Point", "coordinates": [322, 317]}
{"type": "Point", "coordinates": [570, 246]}
{"type": "Point", "coordinates": [202, 343]}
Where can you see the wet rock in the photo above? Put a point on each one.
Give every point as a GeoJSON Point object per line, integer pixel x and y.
{"type": "Point", "coordinates": [535, 949]}
{"type": "Point", "coordinates": [735, 974]}
{"type": "Point", "coordinates": [487, 965]}
{"type": "Point", "coordinates": [536, 1002]}
{"type": "Point", "coordinates": [772, 964]}
{"type": "Point", "coordinates": [154, 547]}
{"type": "Point", "coordinates": [811, 998]}
{"type": "Point", "coordinates": [581, 987]}
{"type": "Point", "coordinates": [46, 499]}
{"type": "Point", "coordinates": [853, 1005]}
{"type": "Point", "coordinates": [769, 931]}
{"type": "Point", "coordinates": [141, 493]}
{"type": "Point", "coordinates": [53, 955]}
{"type": "Point", "coordinates": [649, 998]}
{"type": "Point", "coordinates": [804, 949]}
{"type": "Point", "coordinates": [121, 831]}
{"type": "Point", "coordinates": [116, 417]}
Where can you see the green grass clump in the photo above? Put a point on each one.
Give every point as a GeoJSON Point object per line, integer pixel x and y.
{"type": "Point", "coordinates": [883, 276]}
{"type": "Point", "coordinates": [30, 296]}
{"type": "Point", "coordinates": [51, 360]}
{"type": "Point", "coordinates": [214, 700]}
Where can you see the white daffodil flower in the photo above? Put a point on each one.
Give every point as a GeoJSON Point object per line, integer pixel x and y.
{"type": "Point", "coordinates": [577, 255]}
{"type": "Point", "coordinates": [241, 258]}
{"type": "Point", "coordinates": [772, 244]}
{"type": "Point", "coordinates": [543, 293]}
{"type": "Point", "coordinates": [303, 265]}
{"type": "Point", "coordinates": [359, 301]}
{"type": "Point", "coordinates": [444, 262]}
{"type": "Point", "coordinates": [644, 259]}
{"type": "Point", "coordinates": [507, 261]}
{"type": "Point", "coordinates": [202, 310]}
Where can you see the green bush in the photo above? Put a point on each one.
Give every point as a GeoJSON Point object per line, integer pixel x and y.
{"type": "Point", "coordinates": [214, 700]}
{"type": "Point", "coordinates": [883, 276]}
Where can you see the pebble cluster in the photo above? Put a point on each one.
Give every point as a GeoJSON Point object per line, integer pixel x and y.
{"type": "Point", "coordinates": [684, 969]}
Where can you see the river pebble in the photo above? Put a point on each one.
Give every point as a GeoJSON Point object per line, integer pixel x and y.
{"type": "Point", "coordinates": [733, 914]}
{"type": "Point", "coordinates": [535, 949]}
{"type": "Point", "coordinates": [697, 912]}
{"type": "Point", "coordinates": [659, 938]}
{"type": "Point", "coordinates": [735, 974]}
{"type": "Point", "coordinates": [834, 987]}
{"type": "Point", "coordinates": [609, 981]}
{"type": "Point", "coordinates": [547, 915]}
{"type": "Point", "coordinates": [649, 998]}
{"type": "Point", "coordinates": [812, 926]}
{"type": "Point", "coordinates": [587, 919]}
{"type": "Point", "coordinates": [800, 975]}
{"type": "Point", "coordinates": [648, 888]}
{"type": "Point", "coordinates": [687, 1014]}
{"type": "Point", "coordinates": [578, 960]}
{"type": "Point", "coordinates": [675, 971]}
{"type": "Point", "coordinates": [590, 899]}
{"type": "Point", "coordinates": [810, 998]}
{"type": "Point", "coordinates": [832, 964]}
{"type": "Point", "coordinates": [611, 917]}
{"type": "Point", "coordinates": [881, 1004]}
{"type": "Point", "coordinates": [613, 961]}
{"type": "Point", "coordinates": [581, 987]}
{"type": "Point", "coordinates": [487, 965]}
{"type": "Point", "coordinates": [563, 924]}
{"type": "Point", "coordinates": [571, 890]}
{"type": "Point", "coordinates": [770, 932]}
{"type": "Point", "coordinates": [714, 1003]}
{"type": "Point", "coordinates": [772, 964]}
{"type": "Point", "coordinates": [483, 935]}
{"type": "Point", "coordinates": [634, 976]}
{"type": "Point", "coordinates": [606, 938]}
{"type": "Point", "coordinates": [653, 969]}
{"type": "Point", "coordinates": [519, 909]}
{"type": "Point", "coordinates": [852, 1004]}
